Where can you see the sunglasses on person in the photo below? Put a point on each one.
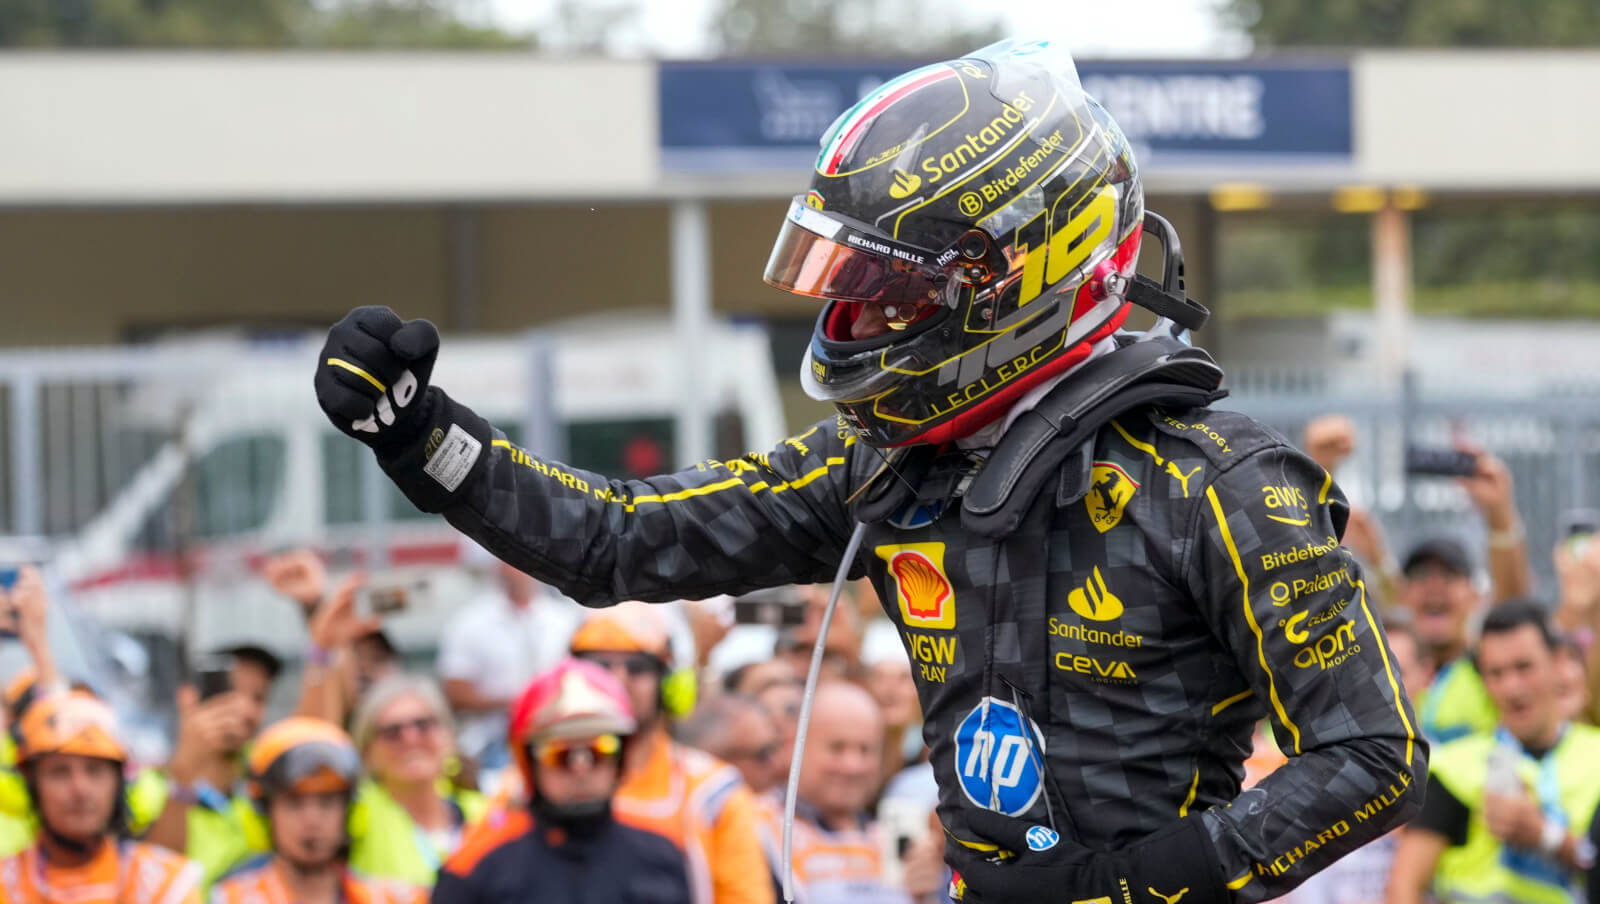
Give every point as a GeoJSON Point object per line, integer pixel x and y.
{"type": "Point", "coordinates": [637, 665]}
{"type": "Point", "coordinates": [394, 732]}
{"type": "Point", "coordinates": [567, 754]}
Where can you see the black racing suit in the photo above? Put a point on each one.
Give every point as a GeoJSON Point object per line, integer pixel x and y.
{"type": "Point", "coordinates": [511, 859]}
{"type": "Point", "coordinates": [1180, 580]}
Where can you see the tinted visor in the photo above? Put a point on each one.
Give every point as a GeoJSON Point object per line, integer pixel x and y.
{"type": "Point", "coordinates": [819, 256]}
{"type": "Point", "coordinates": [313, 768]}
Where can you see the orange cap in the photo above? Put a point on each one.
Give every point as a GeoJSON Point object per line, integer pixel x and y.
{"type": "Point", "coordinates": [75, 723]}
{"type": "Point", "coordinates": [20, 685]}
{"type": "Point", "coordinates": [303, 755]}
{"type": "Point", "coordinates": [624, 628]}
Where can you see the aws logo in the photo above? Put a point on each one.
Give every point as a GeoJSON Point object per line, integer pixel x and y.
{"type": "Point", "coordinates": [1109, 491]}
{"type": "Point", "coordinates": [1288, 500]}
{"type": "Point", "coordinates": [926, 597]}
{"type": "Point", "coordinates": [1094, 600]}
{"type": "Point", "coordinates": [904, 184]}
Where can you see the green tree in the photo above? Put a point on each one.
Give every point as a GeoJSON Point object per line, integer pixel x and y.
{"type": "Point", "coordinates": [923, 29]}
{"type": "Point", "coordinates": [244, 23]}
{"type": "Point", "coordinates": [146, 23]}
{"type": "Point", "coordinates": [1416, 23]}
{"type": "Point", "coordinates": [405, 24]}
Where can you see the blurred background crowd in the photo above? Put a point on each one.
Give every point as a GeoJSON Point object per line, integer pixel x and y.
{"type": "Point", "coordinates": [1392, 210]}
{"type": "Point", "coordinates": [709, 693]}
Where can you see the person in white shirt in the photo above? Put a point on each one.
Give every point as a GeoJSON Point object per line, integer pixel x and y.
{"type": "Point", "coordinates": [493, 648]}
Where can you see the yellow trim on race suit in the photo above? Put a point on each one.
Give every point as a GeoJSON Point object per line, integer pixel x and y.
{"type": "Point", "coordinates": [1250, 616]}
{"type": "Point", "coordinates": [1242, 695]}
{"type": "Point", "coordinates": [1194, 787]}
{"type": "Point", "coordinates": [1240, 882]}
{"type": "Point", "coordinates": [1142, 446]}
{"type": "Point", "coordinates": [1394, 686]}
{"type": "Point", "coordinates": [346, 365]}
{"type": "Point", "coordinates": [719, 486]}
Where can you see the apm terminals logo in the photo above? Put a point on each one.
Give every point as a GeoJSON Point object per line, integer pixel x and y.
{"type": "Point", "coordinates": [927, 600]}
{"type": "Point", "coordinates": [904, 184]}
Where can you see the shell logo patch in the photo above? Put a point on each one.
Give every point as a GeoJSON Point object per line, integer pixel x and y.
{"type": "Point", "coordinates": [927, 599]}
{"type": "Point", "coordinates": [1110, 488]}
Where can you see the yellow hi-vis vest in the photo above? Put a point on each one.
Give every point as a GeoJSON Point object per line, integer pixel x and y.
{"type": "Point", "coordinates": [1475, 873]}
{"type": "Point", "coordinates": [1456, 704]}
{"type": "Point", "coordinates": [386, 844]}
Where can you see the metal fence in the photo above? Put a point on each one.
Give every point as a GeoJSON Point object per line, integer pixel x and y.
{"type": "Point", "coordinates": [1550, 442]}
{"type": "Point", "coordinates": [80, 424]}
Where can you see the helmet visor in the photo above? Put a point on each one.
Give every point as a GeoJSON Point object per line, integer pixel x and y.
{"type": "Point", "coordinates": [822, 257]}
{"type": "Point", "coordinates": [313, 768]}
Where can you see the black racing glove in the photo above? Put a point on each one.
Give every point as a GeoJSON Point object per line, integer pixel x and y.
{"type": "Point", "coordinates": [372, 376]}
{"type": "Point", "coordinates": [1176, 865]}
{"type": "Point", "coordinates": [372, 382]}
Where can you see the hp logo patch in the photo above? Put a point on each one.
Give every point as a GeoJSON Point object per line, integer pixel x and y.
{"type": "Point", "coordinates": [996, 760]}
{"type": "Point", "coordinates": [1042, 838]}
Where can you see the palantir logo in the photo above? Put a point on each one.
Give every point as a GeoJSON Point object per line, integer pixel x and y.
{"type": "Point", "coordinates": [998, 758]}
{"type": "Point", "coordinates": [904, 184]}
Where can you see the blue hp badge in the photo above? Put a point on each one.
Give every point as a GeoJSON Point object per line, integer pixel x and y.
{"type": "Point", "coordinates": [1042, 838]}
{"type": "Point", "coordinates": [998, 758]}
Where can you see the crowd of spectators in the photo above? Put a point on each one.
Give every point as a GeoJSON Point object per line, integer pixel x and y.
{"type": "Point", "coordinates": [641, 752]}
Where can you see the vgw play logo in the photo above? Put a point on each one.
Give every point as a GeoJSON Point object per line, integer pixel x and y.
{"type": "Point", "coordinates": [999, 756]}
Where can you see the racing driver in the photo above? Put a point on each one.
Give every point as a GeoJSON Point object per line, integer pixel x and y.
{"type": "Point", "coordinates": [1101, 583]}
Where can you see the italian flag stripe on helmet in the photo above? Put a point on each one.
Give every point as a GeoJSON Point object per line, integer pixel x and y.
{"type": "Point", "coordinates": [853, 124]}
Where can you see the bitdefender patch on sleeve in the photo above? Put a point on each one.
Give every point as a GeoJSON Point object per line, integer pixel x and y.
{"type": "Point", "coordinates": [453, 460]}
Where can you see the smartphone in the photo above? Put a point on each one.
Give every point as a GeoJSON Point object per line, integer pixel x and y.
{"type": "Point", "coordinates": [8, 615]}
{"type": "Point", "coordinates": [1578, 527]}
{"type": "Point", "coordinates": [775, 608]}
{"type": "Point", "coordinates": [1438, 462]}
{"type": "Point", "coordinates": [900, 824]}
{"type": "Point", "coordinates": [213, 679]}
{"type": "Point", "coordinates": [386, 600]}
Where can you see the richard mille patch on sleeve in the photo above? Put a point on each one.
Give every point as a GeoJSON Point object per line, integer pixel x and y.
{"type": "Point", "coordinates": [454, 458]}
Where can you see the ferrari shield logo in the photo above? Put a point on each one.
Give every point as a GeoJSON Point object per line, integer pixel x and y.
{"type": "Point", "coordinates": [1110, 488]}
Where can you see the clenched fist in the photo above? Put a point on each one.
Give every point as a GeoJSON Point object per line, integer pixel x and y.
{"type": "Point", "coordinates": [372, 376]}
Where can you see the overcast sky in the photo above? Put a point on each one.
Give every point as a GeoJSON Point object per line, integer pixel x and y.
{"type": "Point", "coordinates": [1091, 28]}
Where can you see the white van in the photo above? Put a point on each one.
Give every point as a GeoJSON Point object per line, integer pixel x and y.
{"type": "Point", "coordinates": [171, 556]}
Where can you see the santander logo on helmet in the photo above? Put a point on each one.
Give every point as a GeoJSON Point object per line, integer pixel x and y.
{"type": "Point", "coordinates": [996, 209]}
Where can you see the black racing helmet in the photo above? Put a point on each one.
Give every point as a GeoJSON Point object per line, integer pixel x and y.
{"type": "Point", "coordinates": [994, 209]}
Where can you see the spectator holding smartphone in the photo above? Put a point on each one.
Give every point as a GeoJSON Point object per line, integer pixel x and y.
{"type": "Point", "coordinates": [1490, 488]}
{"type": "Point", "coordinates": [207, 814]}
{"type": "Point", "coordinates": [26, 604]}
{"type": "Point", "coordinates": [348, 652]}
